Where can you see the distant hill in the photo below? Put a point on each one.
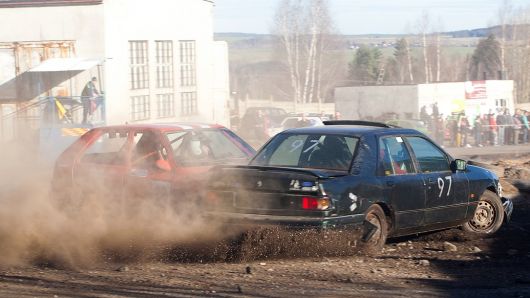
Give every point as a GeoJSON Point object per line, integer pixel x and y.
{"type": "Point", "coordinates": [478, 32]}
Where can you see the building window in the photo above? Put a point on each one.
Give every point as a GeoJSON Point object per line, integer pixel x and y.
{"type": "Point", "coordinates": [140, 107]}
{"type": "Point", "coordinates": [166, 105]}
{"type": "Point", "coordinates": [188, 103]}
{"type": "Point", "coordinates": [164, 64]}
{"type": "Point", "coordinates": [187, 63]}
{"type": "Point", "coordinates": [139, 65]}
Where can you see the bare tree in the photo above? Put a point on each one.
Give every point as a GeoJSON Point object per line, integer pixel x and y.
{"type": "Point", "coordinates": [302, 28]}
{"type": "Point", "coordinates": [503, 15]}
{"type": "Point", "coordinates": [423, 27]}
{"type": "Point", "coordinates": [287, 28]}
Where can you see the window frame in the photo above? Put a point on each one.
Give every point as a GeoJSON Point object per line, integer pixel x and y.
{"type": "Point", "coordinates": [415, 167]}
{"type": "Point", "coordinates": [192, 104]}
{"type": "Point", "coordinates": [146, 113]}
{"type": "Point", "coordinates": [349, 168]}
{"type": "Point", "coordinates": [448, 157]}
{"type": "Point", "coordinates": [165, 104]}
{"type": "Point", "coordinates": [188, 63]}
{"type": "Point", "coordinates": [95, 138]}
{"type": "Point", "coordinates": [165, 76]}
{"type": "Point", "coordinates": [137, 69]}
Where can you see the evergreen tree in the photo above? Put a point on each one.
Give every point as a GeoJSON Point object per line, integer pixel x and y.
{"type": "Point", "coordinates": [365, 65]}
{"type": "Point", "coordinates": [401, 59]}
{"type": "Point", "coordinates": [485, 59]}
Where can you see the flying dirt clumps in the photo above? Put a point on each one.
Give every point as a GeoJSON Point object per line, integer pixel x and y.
{"type": "Point", "coordinates": [34, 229]}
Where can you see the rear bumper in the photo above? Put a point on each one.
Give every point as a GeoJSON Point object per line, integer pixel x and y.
{"type": "Point", "coordinates": [288, 221]}
{"type": "Point", "coordinates": [508, 208]}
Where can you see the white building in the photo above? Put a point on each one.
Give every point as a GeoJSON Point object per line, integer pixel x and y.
{"type": "Point", "coordinates": [156, 59]}
{"type": "Point", "coordinates": [472, 97]}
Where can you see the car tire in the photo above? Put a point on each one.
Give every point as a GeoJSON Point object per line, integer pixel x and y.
{"type": "Point", "coordinates": [372, 242]}
{"type": "Point", "coordinates": [488, 217]}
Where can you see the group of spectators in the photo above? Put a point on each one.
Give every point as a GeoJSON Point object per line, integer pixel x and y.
{"type": "Point", "coordinates": [492, 129]}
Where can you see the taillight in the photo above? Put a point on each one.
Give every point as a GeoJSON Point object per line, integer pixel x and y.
{"type": "Point", "coordinates": [310, 203]}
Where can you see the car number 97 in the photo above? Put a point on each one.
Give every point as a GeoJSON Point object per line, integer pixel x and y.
{"type": "Point", "coordinates": [441, 185]}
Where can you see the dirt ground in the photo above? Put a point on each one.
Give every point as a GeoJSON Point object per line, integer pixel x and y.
{"type": "Point", "coordinates": [415, 266]}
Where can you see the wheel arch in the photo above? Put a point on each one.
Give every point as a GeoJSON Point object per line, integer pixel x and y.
{"type": "Point", "coordinates": [389, 213]}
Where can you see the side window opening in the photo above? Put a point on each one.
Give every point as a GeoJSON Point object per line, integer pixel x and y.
{"type": "Point", "coordinates": [147, 150]}
{"type": "Point", "coordinates": [109, 148]}
{"type": "Point", "coordinates": [429, 157]}
{"type": "Point", "coordinates": [394, 157]}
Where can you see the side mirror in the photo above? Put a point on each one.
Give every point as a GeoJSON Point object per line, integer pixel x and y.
{"type": "Point", "coordinates": [163, 165]}
{"type": "Point", "coordinates": [458, 165]}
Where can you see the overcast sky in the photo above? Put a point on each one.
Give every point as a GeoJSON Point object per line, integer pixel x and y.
{"type": "Point", "coordinates": [365, 16]}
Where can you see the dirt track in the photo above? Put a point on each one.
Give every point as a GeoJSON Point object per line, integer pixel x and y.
{"type": "Point", "coordinates": [412, 266]}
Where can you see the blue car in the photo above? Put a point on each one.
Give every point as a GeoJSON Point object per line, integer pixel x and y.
{"type": "Point", "coordinates": [384, 180]}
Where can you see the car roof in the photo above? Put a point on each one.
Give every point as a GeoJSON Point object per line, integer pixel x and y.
{"type": "Point", "coordinates": [357, 130]}
{"type": "Point", "coordinates": [165, 127]}
{"type": "Point", "coordinates": [300, 117]}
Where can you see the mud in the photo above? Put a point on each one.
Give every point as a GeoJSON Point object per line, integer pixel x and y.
{"type": "Point", "coordinates": [141, 258]}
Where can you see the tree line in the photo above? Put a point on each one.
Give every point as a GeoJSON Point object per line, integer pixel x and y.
{"type": "Point", "coordinates": [309, 64]}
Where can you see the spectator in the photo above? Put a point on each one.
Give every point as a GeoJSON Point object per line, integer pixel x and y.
{"type": "Point", "coordinates": [88, 99]}
{"type": "Point", "coordinates": [262, 126]}
{"type": "Point", "coordinates": [477, 131]}
{"type": "Point", "coordinates": [423, 114]}
{"type": "Point", "coordinates": [303, 122]}
{"type": "Point", "coordinates": [435, 111]}
{"type": "Point", "coordinates": [525, 126]}
{"type": "Point", "coordinates": [516, 127]}
{"type": "Point", "coordinates": [501, 122]}
{"type": "Point", "coordinates": [492, 129]}
{"type": "Point", "coordinates": [508, 132]}
{"type": "Point", "coordinates": [337, 116]}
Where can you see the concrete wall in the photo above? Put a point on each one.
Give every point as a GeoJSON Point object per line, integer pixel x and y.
{"type": "Point", "coordinates": [288, 106]}
{"type": "Point", "coordinates": [373, 101]}
{"type": "Point", "coordinates": [524, 106]}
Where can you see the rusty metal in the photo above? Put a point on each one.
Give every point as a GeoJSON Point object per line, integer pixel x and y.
{"type": "Point", "coordinates": [24, 58]}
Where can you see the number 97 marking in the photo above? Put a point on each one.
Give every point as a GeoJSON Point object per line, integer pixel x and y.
{"type": "Point", "coordinates": [441, 185]}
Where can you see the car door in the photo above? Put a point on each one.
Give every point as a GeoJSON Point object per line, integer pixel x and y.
{"type": "Point", "coordinates": [401, 182]}
{"type": "Point", "coordinates": [151, 169]}
{"type": "Point", "coordinates": [100, 170]}
{"type": "Point", "coordinates": [446, 191]}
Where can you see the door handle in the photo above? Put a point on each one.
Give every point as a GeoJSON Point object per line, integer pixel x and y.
{"type": "Point", "coordinates": [431, 181]}
{"type": "Point", "coordinates": [390, 183]}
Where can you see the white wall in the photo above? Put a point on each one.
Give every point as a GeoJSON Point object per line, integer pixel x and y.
{"type": "Point", "coordinates": [221, 84]}
{"type": "Point", "coordinates": [162, 20]}
{"type": "Point", "coordinates": [445, 94]}
{"type": "Point", "coordinates": [360, 102]}
{"type": "Point", "coordinates": [448, 96]}
{"type": "Point", "coordinates": [373, 101]}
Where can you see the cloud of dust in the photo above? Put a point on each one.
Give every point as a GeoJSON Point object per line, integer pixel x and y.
{"type": "Point", "coordinates": [35, 229]}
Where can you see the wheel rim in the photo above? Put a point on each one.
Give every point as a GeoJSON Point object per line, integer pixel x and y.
{"type": "Point", "coordinates": [484, 217]}
{"type": "Point", "coordinates": [376, 221]}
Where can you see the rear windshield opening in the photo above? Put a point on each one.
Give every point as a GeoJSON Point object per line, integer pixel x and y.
{"type": "Point", "coordinates": [205, 146]}
{"type": "Point", "coordinates": [333, 152]}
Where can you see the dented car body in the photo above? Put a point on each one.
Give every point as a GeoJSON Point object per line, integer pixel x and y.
{"type": "Point", "coordinates": [336, 175]}
{"type": "Point", "coordinates": [147, 160]}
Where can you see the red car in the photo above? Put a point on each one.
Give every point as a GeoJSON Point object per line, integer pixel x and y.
{"type": "Point", "coordinates": [145, 160]}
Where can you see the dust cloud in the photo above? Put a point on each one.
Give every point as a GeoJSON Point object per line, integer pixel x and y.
{"type": "Point", "coordinates": [35, 229]}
